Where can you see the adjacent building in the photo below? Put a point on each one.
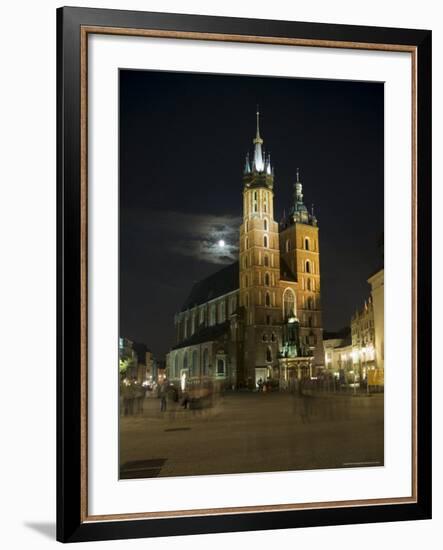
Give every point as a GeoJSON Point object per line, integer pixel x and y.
{"type": "Point", "coordinates": [136, 360]}
{"type": "Point", "coordinates": [360, 359]}
{"type": "Point", "coordinates": [378, 299]}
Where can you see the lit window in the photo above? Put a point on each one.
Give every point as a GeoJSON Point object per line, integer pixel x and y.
{"type": "Point", "coordinates": [220, 367]}
{"type": "Point", "coordinates": [222, 312]}
{"type": "Point", "coordinates": [212, 315]}
{"type": "Point", "coordinates": [205, 362]}
{"type": "Point", "coordinates": [288, 304]}
{"type": "Point", "coordinates": [194, 366]}
{"type": "Point", "coordinates": [176, 367]}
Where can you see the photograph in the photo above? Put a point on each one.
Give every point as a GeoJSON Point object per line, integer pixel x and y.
{"type": "Point", "coordinates": [251, 274]}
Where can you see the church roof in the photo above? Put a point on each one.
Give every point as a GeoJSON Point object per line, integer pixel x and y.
{"type": "Point", "coordinates": [219, 283]}
{"type": "Point", "coordinates": [206, 334]}
{"type": "Point", "coordinates": [223, 282]}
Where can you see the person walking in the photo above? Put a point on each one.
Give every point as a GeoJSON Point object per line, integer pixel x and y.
{"type": "Point", "coordinates": [163, 396]}
{"type": "Point", "coordinates": [128, 392]}
{"type": "Point", "coordinates": [140, 393]}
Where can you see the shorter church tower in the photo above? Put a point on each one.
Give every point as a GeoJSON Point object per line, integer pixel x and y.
{"type": "Point", "coordinates": [299, 245]}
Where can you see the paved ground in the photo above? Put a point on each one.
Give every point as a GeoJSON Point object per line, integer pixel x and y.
{"type": "Point", "coordinates": [253, 432]}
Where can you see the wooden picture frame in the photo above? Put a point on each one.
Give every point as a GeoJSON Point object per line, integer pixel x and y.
{"type": "Point", "coordinates": [74, 523]}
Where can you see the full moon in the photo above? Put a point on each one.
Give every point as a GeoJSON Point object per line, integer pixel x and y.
{"type": "Point", "coordinates": [221, 243]}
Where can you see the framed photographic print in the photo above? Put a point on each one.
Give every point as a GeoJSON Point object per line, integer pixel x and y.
{"type": "Point", "coordinates": [244, 271]}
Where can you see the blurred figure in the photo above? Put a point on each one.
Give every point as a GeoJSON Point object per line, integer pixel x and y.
{"type": "Point", "coordinates": [140, 393]}
{"type": "Point", "coordinates": [163, 394]}
{"type": "Point", "coordinates": [260, 385]}
{"type": "Point", "coordinates": [128, 394]}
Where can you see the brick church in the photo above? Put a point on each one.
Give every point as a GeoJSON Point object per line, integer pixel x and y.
{"type": "Point", "coordinates": [259, 318]}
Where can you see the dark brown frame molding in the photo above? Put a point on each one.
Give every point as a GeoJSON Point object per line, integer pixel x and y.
{"type": "Point", "coordinates": [74, 25]}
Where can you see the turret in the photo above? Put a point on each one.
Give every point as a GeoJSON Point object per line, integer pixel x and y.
{"type": "Point", "coordinates": [259, 172]}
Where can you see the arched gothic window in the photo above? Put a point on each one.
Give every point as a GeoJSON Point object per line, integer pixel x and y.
{"type": "Point", "coordinates": [306, 243]}
{"type": "Point", "coordinates": [176, 368]}
{"type": "Point", "coordinates": [267, 279]}
{"type": "Point", "coordinates": [308, 266]}
{"type": "Point", "coordinates": [194, 366]}
{"type": "Point", "coordinates": [268, 299]}
{"type": "Point", "coordinates": [222, 312]}
{"type": "Point", "coordinates": [268, 354]}
{"type": "Point", "coordinates": [212, 315]}
{"type": "Point", "coordinates": [266, 260]}
{"type": "Point", "coordinates": [265, 241]}
{"type": "Point", "coordinates": [288, 304]}
{"type": "Point", "coordinates": [205, 362]}
{"type": "Point", "coordinates": [265, 224]}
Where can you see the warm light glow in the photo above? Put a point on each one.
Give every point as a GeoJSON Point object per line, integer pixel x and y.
{"type": "Point", "coordinates": [221, 243]}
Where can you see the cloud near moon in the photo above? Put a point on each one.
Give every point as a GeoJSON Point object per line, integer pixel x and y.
{"type": "Point", "coordinates": [198, 236]}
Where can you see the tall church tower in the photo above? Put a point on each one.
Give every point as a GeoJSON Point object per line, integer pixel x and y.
{"type": "Point", "coordinates": [260, 293]}
{"type": "Point", "coordinates": [299, 243]}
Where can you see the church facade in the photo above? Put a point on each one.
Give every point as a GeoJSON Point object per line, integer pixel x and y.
{"type": "Point", "coordinates": [259, 318]}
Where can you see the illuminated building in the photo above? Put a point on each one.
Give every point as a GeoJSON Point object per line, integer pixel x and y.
{"type": "Point", "coordinates": [259, 318]}
{"type": "Point", "coordinates": [377, 292]}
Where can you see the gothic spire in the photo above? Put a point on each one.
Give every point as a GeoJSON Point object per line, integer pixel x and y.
{"type": "Point", "coordinates": [258, 163]}
{"type": "Point", "coordinates": [258, 139]}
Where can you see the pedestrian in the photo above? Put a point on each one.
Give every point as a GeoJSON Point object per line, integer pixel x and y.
{"type": "Point", "coordinates": [260, 385]}
{"type": "Point", "coordinates": [140, 393]}
{"type": "Point", "coordinates": [128, 397]}
{"type": "Point", "coordinates": [163, 396]}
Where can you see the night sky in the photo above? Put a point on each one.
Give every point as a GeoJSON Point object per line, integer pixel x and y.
{"type": "Point", "coordinates": [183, 141]}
